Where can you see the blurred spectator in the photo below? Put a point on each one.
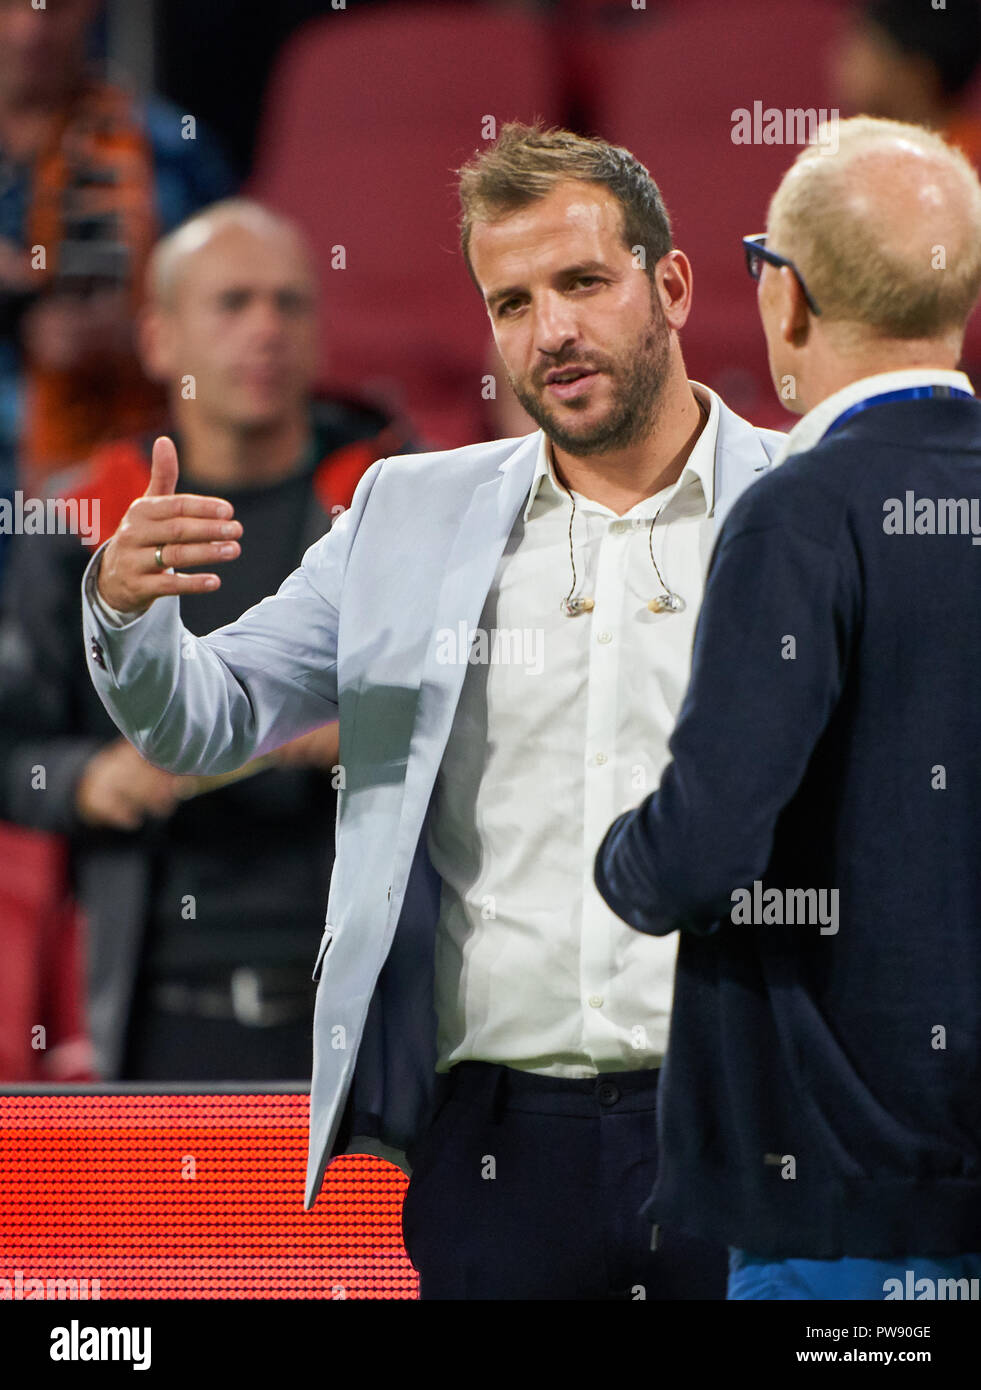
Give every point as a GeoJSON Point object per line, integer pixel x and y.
{"type": "Point", "coordinates": [92, 175]}
{"type": "Point", "coordinates": [913, 62]}
{"type": "Point", "coordinates": [204, 898]}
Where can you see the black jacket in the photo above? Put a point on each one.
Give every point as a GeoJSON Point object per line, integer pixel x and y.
{"type": "Point", "coordinates": [822, 1089]}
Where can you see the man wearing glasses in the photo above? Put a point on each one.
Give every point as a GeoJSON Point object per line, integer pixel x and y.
{"type": "Point", "coordinates": [759, 254]}
{"type": "Point", "coordinates": [815, 837]}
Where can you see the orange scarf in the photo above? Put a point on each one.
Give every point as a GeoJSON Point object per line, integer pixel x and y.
{"type": "Point", "coordinates": [68, 413]}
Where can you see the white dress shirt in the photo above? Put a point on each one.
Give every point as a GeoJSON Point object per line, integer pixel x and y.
{"type": "Point", "coordinates": [532, 968]}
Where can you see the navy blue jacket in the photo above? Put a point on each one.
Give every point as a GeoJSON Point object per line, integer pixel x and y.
{"type": "Point", "coordinates": [821, 1095]}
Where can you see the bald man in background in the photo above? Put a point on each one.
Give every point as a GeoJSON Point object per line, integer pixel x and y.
{"type": "Point", "coordinates": [815, 838]}
{"type": "Point", "coordinates": [198, 943]}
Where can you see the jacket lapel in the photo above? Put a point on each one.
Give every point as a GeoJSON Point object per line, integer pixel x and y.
{"type": "Point", "coordinates": [741, 456]}
{"type": "Point", "coordinates": [470, 567]}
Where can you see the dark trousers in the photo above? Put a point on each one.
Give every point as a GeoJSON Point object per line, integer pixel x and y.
{"type": "Point", "coordinates": [530, 1187]}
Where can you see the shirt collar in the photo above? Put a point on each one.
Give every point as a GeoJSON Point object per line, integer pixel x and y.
{"type": "Point", "coordinates": [810, 430]}
{"type": "Point", "coordinates": [699, 466]}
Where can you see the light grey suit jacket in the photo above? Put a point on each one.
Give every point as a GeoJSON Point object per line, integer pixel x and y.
{"type": "Point", "coordinates": [350, 634]}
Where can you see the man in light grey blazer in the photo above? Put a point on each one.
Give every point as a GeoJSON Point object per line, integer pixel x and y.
{"type": "Point", "coordinates": [504, 632]}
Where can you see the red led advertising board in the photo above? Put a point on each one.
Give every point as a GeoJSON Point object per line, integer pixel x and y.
{"type": "Point", "coordinates": [187, 1195]}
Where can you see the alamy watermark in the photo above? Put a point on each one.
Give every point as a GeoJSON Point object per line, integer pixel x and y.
{"type": "Point", "coordinates": [81, 1343]}
{"type": "Point", "coordinates": [49, 516]}
{"type": "Point", "coordinates": [796, 125]}
{"type": "Point", "coordinates": [925, 516]}
{"type": "Point", "coordinates": [28, 1287]}
{"type": "Point", "coordinates": [926, 1288]}
{"type": "Point", "coordinates": [785, 907]}
{"type": "Point", "coordinates": [496, 646]}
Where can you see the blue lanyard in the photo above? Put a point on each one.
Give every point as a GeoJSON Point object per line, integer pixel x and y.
{"type": "Point", "coordinates": [909, 393]}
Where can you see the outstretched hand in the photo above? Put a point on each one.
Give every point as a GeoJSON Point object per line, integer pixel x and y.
{"type": "Point", "coordinates": [183, 528]}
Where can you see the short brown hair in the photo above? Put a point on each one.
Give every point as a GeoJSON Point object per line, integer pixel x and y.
{"type": "Point", "coordinates": [527, 161]}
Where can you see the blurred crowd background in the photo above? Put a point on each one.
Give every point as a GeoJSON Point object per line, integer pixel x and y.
{"type": "Point", "coordinates": [162, 928]}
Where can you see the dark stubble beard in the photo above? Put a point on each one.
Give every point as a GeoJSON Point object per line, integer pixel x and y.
{"type": "Point", "coordinates": [639, 378]}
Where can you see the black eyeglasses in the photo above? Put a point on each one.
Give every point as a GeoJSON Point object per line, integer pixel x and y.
{"type": "Point", "coordinates": [757, 252]}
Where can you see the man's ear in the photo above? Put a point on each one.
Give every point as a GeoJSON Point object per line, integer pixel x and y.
{"type": "Point", "coordinates": [673, 283]}
{"type": "Point", "coordinates": [794, 313]}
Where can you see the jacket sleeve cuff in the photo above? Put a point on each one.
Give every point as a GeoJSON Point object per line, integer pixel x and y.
{"type": "Point", "coordinates": [621, 885]}
{"type": "Point", "coordinates": [111, 617]}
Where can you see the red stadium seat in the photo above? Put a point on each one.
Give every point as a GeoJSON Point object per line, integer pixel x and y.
{"type": "Point", "coordinates": [367, 116]}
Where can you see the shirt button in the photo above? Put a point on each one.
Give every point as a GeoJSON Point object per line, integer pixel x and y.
{"type": "Point", "coordinates": [607, 1093]}
{"type": "Point", "coordinates": [605, 637]}
{"type": "Point", "coordinates": [596, 1001]}
{"type": "Point", "coordinates": [618, 528]}
{"type": "Point", "coordinates": [600, 759]}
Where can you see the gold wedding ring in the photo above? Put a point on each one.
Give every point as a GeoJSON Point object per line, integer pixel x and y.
{"type": "Point", "coordinates": [158, 556]}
